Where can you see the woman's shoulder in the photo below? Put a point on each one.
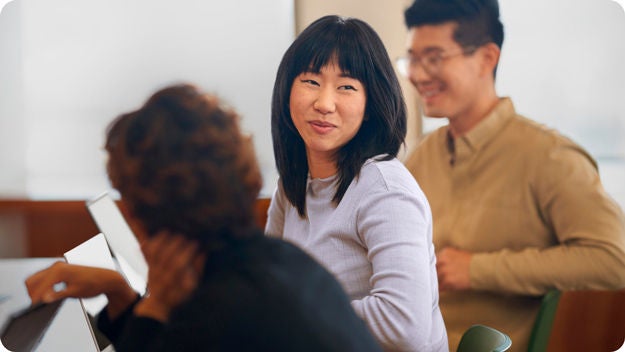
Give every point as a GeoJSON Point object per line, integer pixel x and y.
{"type": "Point", "coordinates": [383, 174]}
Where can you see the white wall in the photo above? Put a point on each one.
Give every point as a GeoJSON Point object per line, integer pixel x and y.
{"type": "Point", "coordinates": [12, 126]}
{"type": "Point", "coordinates": [70, 66]}
{"type": "Point", "coordinates": [563, 63]}
{"type": "Point", "coordinates": [568, 68]}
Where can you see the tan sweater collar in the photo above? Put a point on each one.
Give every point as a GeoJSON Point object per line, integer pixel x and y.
{"type": "Point", "coordinates": [487, 129]}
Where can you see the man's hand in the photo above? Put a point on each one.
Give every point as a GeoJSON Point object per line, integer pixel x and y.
{"type": "Point", "coordinates": [452, 266]}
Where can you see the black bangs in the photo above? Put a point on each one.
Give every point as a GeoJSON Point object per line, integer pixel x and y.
{"type": "Point", "coordinates": [335, 43]}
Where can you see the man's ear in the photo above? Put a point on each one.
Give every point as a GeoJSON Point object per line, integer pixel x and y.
{"type": "Point", "coordinates": [490, 53]}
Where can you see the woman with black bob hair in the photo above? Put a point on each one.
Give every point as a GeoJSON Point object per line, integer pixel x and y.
{"type": "Point", "coordinates": [360, 54]}
{"type": "Point", "coordinates": [338, 121]}
{"type": "Point", "coordinates": [190, 179]}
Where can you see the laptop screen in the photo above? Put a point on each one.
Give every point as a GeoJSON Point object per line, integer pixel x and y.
{"type": "Point", "coordinates": [121, 240]}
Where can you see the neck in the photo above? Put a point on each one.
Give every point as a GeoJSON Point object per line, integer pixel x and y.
{"type": "Point", "coordinates": [321, 166]}
{"type": "Point", "coordinates": [465, 121]}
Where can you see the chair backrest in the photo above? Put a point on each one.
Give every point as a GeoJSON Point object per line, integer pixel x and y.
{"type": "Point", "coordinates": [580, 321]}
{"type": "Point", "coordinates": [539, 339]}
{"type": "Point", "coordinates": [481, 338]}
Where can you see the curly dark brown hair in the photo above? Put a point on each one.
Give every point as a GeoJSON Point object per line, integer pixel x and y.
{"type": "Point", "coordinates": [181, 164]}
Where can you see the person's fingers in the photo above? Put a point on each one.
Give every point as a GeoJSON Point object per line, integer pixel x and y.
{"type": "Point", "coordinates": [186, 253]}
{"type": "Point", "coordinates": [181, 266]}
{"type": "Point", "coordinates": [40, 276]}
{"type": "Point", "coordinates": [173, 250]}
{"type": "Point", "coordinates": [37, 295]}
{"type": "Point", "coordinates": [189, 262]}
{"type": "Point", "coordinates": [158, 248]}
{"type": "Point", "coordinates": [50, 290]}
{"type": "Point", "coordinates": [41, 283]}
{"type": "Point", "coordinates": [171, 266]}
{"type": "Point", "coordinates": [155, 250]}
{"type": "Point", "coordinates": [34, 286]}
{"type": "Point", "coordinates": [54, 295]}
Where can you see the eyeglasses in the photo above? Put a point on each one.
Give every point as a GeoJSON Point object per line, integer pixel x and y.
{"type": "Point", "coordinates": [431, 62]}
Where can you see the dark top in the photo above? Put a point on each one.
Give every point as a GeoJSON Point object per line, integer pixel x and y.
{"type": "Point", "coordinates": [258, 294]}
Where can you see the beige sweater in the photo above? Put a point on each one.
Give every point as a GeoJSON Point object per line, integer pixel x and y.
{"type": "Point", "coordinates": [529, 204]}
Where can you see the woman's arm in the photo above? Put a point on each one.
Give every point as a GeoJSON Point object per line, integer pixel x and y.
{"type": "Point", "coordinates": [396, 228]}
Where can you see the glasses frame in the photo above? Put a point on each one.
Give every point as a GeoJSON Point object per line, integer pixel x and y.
{"type": "Point", "coordinates": [407, 63]}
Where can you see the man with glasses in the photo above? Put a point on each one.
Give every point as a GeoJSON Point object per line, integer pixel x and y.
{"type": "Point", "coordinates": [518, 209]}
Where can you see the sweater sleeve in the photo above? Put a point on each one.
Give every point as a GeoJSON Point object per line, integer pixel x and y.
{"type": "Point", "coordinates": [395, 226]}
{"type": "Point", "coordinates": [589, 229]}
{"type": "Point", "coordinates": [140, 334]}
{"type": "Point", "coordinates": [113, 328]}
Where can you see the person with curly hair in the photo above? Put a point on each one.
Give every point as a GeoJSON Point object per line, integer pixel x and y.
{"type": "Point", "coordinates": [190, 179]}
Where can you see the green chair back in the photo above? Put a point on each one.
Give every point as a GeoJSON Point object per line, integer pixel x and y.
{"type": "Point", "coordinates": [481, 338]}
{"type": "Point", "coordinates": [539, 338]}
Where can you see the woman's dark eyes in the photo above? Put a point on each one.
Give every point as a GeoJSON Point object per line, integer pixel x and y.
{"type": "Point", "coordinates": [310, 81]}
{"type": "Point", "coordinates": [315, 83]}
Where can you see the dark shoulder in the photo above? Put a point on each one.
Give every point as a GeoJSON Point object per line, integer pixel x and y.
{"type": "Point", "coordinates": [267, 294]}
{"type": "Point", "coordinates": [260, 252]}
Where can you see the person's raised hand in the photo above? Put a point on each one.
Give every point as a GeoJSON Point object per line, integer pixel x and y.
{"type": "Point", "coordinates": [174, 269]}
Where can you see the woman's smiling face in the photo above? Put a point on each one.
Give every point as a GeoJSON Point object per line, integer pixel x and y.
{"type": "Point", "coordinates": [327, 108]}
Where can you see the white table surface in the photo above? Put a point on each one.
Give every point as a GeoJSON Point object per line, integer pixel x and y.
{"type": "Point", "coordinates": [69, 331]}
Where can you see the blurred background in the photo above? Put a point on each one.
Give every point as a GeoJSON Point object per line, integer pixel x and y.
{"type": "Point", "coordinates": [68, 67]}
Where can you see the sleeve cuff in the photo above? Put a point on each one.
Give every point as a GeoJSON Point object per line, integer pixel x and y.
{"type": "Point", "coordinates": [112, 329]}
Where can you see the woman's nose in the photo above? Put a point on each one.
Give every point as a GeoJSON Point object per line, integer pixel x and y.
{"type": "Point", "coordinates": [325, 103]}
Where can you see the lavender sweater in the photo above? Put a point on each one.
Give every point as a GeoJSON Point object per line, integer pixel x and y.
{"type": "Point", "coordinates": [378, 243]}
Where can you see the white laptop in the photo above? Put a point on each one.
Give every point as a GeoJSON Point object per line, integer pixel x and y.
{"type": "Point", "coordinates": [93, 252]}
{"type": "Point", "coordinates": [116, 238]}
{"type": "Point", "coordinates": [47, 326]}
{"type": "Point", "coordinates": [121, 240]}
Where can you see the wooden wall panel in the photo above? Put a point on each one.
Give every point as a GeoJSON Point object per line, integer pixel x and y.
{"type": "Point", "coordinates": [53, 227]}
{"type": "Point", "coordinates": [588, 321]}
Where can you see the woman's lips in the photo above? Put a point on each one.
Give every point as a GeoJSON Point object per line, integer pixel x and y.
{"type": "Point", "coordinates": [321, 127]}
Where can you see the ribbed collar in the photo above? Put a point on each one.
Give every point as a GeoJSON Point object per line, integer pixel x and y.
{"type": "Point", "coordinates": [322, 187]}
